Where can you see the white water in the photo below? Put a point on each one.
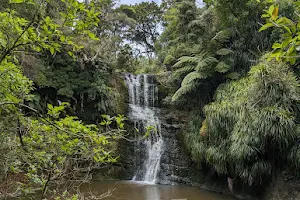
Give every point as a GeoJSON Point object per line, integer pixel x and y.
{"type": "Point", "coordinates": [142, 99]}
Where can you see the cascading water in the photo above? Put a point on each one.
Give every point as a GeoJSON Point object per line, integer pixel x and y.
{"type": "Point", "coordinates": [143, 95]}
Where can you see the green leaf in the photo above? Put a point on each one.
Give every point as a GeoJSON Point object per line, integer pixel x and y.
{"type": "Point", "coordinates": [222, 67]}
{"type": "Point", "coordinates": [271, 9]}
{"type": "Point", "coordinates": [294, 29]}
{"type": "Point", "coordinates": [266, 26]}
{"type": "Point", "coordinates": [191, 77]}
{"type": "Point", "coordinates": [71, 53]}
{"type": "Point", "coordinates": [286, 42]}
{"type": "Point", "coordinates": [62, 38]}
{"type": "Point", "coordinates": [276, 54]}
{"type": "Point", "coordinates": [276, 46]}
{"type": "Point", "coordinates": [224, 52]}
{"type": "Point", "coordinates": [265, 16]}
{"type": "Point", "coordinates": [51, 50]}
{"type": "Point", "coordinates": [16, 1]}
{"type": "Point", "coordinates": [288, 29]}
{"type": "Point", "coordinates": [290, 50]}
{"type": "Point", "coordinates": [50, 106]}
{"type": "Point", "coordinates": [3, 42]}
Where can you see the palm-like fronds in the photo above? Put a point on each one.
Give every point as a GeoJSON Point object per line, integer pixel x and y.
{"type": "Point", "coordinates": [220, 38]}
{"type": "Point", "coordinates": [206, 64]}
{"type": "Point", "coordinates": [222, 67]}
{"type": "Point", "coordinates": [184, 90]}
{"type": "Point", "coordinates": [202, 65]}
{"type": "Point", "coordinates": [186, 60]}
{"type": "Point", "coordinates": [183, 71]}
{"type": "Point", "coordinates": [191, 77]}
{"type": "Point", "coordinates": [224, 52]}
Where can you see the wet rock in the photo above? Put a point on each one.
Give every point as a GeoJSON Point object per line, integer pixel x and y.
{"type": "Point", "coordinates": [282, 189]}
{"type": "Point", "coordinates": [176, 166]}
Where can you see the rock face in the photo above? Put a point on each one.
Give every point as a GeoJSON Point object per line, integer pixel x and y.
{"type": "Point", "coordinates": [176, 167]}
{"type": "Point", "coordinates": [161, 153]}
{"type": "Point", "coordinates": [283, 190]}
{"type": "Point", "coordinates": [175, 164]}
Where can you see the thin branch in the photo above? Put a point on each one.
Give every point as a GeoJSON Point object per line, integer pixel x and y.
{"type": "Point", "coordinates": [27, 52]}
{"type": "Point", "coordinates": [8, 51]}
{"type": "Point", "coordinates": [41, 115]}
{"type": "Point", "coordinates": [48, 121]}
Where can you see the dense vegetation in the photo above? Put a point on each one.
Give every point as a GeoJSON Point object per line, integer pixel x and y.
{"type": "Point", "coordinates": [246, 120]}
{"type": "Point", "coordinates": [234, 62]}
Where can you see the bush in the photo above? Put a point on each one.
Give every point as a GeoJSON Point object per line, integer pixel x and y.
{"type": "Point", "coordinates": [252, 124]}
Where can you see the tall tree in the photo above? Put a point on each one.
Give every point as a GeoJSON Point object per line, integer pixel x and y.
{"type": "Point", "coordinates": [175, 42]}
{"type": "Point", "coordinates": [147, 18]}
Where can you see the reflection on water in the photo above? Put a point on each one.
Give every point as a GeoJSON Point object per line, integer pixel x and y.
{"type": "Point", "coordinates": [129, 190]}
{"type": "Point", "coordinates": [151, 193]}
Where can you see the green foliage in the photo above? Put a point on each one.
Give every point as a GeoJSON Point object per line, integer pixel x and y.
{"type": "Point", "coordinates": [72, 50]}
{"type": "Point", "coordinates": [287, 48]}
{"type": "Point", "coordinates": [146, 17]}
{"type": "Point", "coordinates": [87, 84]}
{"type": "Point", "coordinates": [14, 86]}
{"type": "Point", "coordinates": [219, 41]}
{"type": "Point", "coordinates": [63, 147]}
{"type": "Point", "coordinates": [174, 42]}
{"type": "Point", "coordinates": [41, 32]}
{"type": "Point", "coordinates": [51, 149]}
{"type": "Point", "coordinates": [213, 58]}
{"type": "Point", "coordinates": [39, 153]}
{"type": "Point", "coordinates": [146, 66]}
{"type": "Point", "coordinates": [126, 60]}
{"type": "Point", "coordinates": [251, 125]}
{"type": "Point", "coordinates": [192, 138]}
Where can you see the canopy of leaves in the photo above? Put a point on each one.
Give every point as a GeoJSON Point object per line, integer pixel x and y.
{"type": "Point", "coordinates": [46, 150]}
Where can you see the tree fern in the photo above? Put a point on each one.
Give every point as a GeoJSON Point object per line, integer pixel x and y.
{"type": "Point", "coordinates": [191, 77]}
{"type": "Point", "coordinates": [204, 64]}
{"type": "Point", "coordinates": [222, 67]}
{"type": "Point", "coordinates": [220, 38]}
{"type": "Point", "coordinates": [183, 71]}
{"type": "Point", "coordinates": [186, 59]}
{"type": "Point", "coordinates": [184, 90]}
{"type": "Point", "coordinates": [224, 52]}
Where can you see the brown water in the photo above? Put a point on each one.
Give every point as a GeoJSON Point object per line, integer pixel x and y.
{"type": "Point", "coordinates": [129, 190]}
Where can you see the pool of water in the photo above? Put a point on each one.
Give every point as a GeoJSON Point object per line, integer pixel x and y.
{"type": "Point", "coordinates": [130, 190]}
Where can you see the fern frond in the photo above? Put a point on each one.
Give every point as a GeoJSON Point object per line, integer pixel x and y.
{"type": "Point", "coordinates": [206, 63]}
{"type": "Point", "coordinates": [184, 90]}
{"type": "Point", "coordinates": [233, 75]}
{"type": "Point", "coordinates": [186, 59]}
{"type": "Point", "coordinates": [224, 52]}
{"type": "Point", "coordinates": [191, 77]}
{"type": "Point", "coordinates": [221, 37]}
{"type": "Point", "coordinates": [222, 67]}
{"type": "Point", "coordinates": [184, 70]}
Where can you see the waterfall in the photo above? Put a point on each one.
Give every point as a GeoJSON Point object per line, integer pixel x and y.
{"type": "Point", "coordinates": [143, 95]}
